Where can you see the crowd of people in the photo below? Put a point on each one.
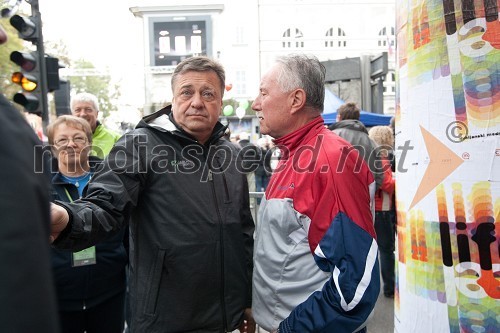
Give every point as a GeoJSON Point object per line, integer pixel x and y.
{"type": "Point", "coordinates": [153, 230]}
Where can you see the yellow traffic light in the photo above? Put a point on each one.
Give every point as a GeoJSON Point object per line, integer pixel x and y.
{"type": "Point", "coordinates": [27, 82]}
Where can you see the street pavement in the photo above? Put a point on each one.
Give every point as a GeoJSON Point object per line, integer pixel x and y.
{"type": "Point", "coordinates": [383, 317]}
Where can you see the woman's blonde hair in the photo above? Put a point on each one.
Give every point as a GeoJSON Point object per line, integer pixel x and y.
{"type": "Point", "coordinates": [383, 137]}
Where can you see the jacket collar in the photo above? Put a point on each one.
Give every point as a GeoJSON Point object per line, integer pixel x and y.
{"type": "Point", "coordinates": [163, 120]}
{"type": "Point", "coordinates": [292, 141]}
{"type": "Point", "coordinates": [352, 124]}
{"type": "Point", "coordinates": [94, 162]}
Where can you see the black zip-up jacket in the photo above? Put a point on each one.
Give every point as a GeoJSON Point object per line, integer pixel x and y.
{"type": "Point", "coordinates": [191, 230]}
{"type": "Point", "coordinates": [28, 302]}
{"type": "Point", "coordinates": [353, 131]}
{"type": "Point", "coordinates": [87, 286]}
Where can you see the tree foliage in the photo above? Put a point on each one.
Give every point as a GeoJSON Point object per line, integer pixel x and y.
{"type": "Point", "coordinates": [100, 85]}
{"type": "Point", "coordinates": [7, 67]}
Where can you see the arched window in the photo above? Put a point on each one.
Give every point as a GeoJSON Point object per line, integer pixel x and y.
{"type": "Point", "coordinates": [386, 37]}
{"type": "Point", "coordinates": [293, 38]}
{"type": "Point", "coordinates": [335, 37]}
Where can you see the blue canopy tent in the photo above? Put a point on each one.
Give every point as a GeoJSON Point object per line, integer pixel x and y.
{"type": "Point", "coordinates": [367, 118]}
{"type": "Point", "coordinates": [332, 103]}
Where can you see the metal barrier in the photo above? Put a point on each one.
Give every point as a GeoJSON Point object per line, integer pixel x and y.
{"type": "Point", "coordinates": [254, 204]}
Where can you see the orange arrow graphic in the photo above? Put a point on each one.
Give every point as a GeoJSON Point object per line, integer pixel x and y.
{"type": "Point", "coordinates": [442, 163]}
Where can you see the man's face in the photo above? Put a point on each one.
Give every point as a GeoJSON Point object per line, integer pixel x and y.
{"type": "Point", "coordinates": [86, 111]}
{"type": "Point", "coordinates": [197, 103]}
{"type": "Point", "coordinates": [272, 106]}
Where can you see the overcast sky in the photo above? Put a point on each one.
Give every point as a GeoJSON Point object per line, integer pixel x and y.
{"type": "Point", "coordinates": [104, 32]}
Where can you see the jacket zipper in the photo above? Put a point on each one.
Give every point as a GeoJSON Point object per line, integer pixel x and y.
{"type": "Point", "coordinates": [227, 198]}
{"type": "Point", "coordinates": [223, 305]}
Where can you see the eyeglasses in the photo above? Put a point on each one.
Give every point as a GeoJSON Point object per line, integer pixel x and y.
{"type": "Point", "coordinates": [79, 140]}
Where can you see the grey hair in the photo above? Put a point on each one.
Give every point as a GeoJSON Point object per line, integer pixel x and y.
{"type": "Point", "coordinates": [200, 64]}
{"type": "Point", "coordinates": [305, 72]}
{"type": "Point", "coordinates": [85, 97]}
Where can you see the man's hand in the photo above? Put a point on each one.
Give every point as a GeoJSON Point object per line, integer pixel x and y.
{"type": "Point", "coordinates": [59, 219]}
{"type": "Point", "coordinates": [248, 324]}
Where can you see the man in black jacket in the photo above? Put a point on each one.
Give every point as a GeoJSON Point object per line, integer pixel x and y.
{"type": "Point", "coordinates": [180, 184]}
{"type": "Point", "coordinates": [27, 297]}
{"type": "Point", "coordinates": [352, 130]}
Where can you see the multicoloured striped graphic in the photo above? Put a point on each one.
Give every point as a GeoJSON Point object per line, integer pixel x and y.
{"type": "Point", "coordinates": [458, 40]}
{"type": "Point", "coordinates": [456, 262]}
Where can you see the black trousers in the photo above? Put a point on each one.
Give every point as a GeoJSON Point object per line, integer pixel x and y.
{"type": "Point", "coordinates": [107, 317]}
{"type": "Point", "coordinates": [385, 229]}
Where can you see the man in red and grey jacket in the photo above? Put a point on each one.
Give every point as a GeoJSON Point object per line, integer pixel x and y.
{"type": "Point", "coordinates": [315, 255]}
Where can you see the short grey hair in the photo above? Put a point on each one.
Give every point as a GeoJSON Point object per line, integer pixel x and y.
{"type": "Point", "coordinates": [200, 64]}
{"type": "Point", "coordinates": [85, 97]}
{"type": "Point", "coordinates": [305, 72]}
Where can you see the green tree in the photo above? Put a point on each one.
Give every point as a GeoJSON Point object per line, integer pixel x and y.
{"type": "Point", "coordinates": [84, 77]}
{"type": "Point", "coordinates": [7, 67]}
{"type": "Point", "coordinates": [98, 84]}
{"type": "Point", "coordinates": [59, 50]}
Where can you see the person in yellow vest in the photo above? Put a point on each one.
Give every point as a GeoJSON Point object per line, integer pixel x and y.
{"type": "Point", "coordinates": [86, 106]}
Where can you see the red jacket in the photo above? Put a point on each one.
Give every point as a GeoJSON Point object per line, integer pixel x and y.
{"type": "Point", "coordinates": [383, 196]}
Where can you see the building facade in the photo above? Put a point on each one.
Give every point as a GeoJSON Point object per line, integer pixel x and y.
{"type": "Point", "coordinates": [246, 36]}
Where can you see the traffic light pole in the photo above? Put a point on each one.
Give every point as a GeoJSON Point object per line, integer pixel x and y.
{"type": "Point", "coordinates": [37, 17]}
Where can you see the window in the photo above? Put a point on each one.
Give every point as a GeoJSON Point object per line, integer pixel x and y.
{"type": "Point", "coordinates": [386, 37]}
{"type": "Point", "coordinates": [239, 35]}
{"type": "Point", "coordinates": [335, 37]}
{"type": "Point", "coordinates": [173, 39]}
{"type": "Point", "coordinates": [293, 38]}
{"type": "Point", "coordinates": [390, 83]}
{"type": "Point", "coordinates": [240, 86]}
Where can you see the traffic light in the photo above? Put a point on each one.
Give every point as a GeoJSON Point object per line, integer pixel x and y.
{"type": "Point", "coordinates": [26, 27]}
{"type": "Point", "coordinates": [52, 66]}
{"type": "Point", "coordinates": [29, 78]}
{"type": "Point", "coordinates": [33, 74]}
{"type": "Point", "coordinates": [62, 98]}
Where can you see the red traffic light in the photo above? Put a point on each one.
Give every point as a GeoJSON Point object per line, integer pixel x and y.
{"type": "Point", "coordinates": [25, 60]}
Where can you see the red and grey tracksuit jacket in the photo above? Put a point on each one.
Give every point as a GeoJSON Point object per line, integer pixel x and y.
{"type": "Point", "coordinates": [315, 255]}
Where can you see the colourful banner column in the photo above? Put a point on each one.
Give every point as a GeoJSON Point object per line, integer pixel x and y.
{"type": "Point", "coordinates": [448, 166]}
